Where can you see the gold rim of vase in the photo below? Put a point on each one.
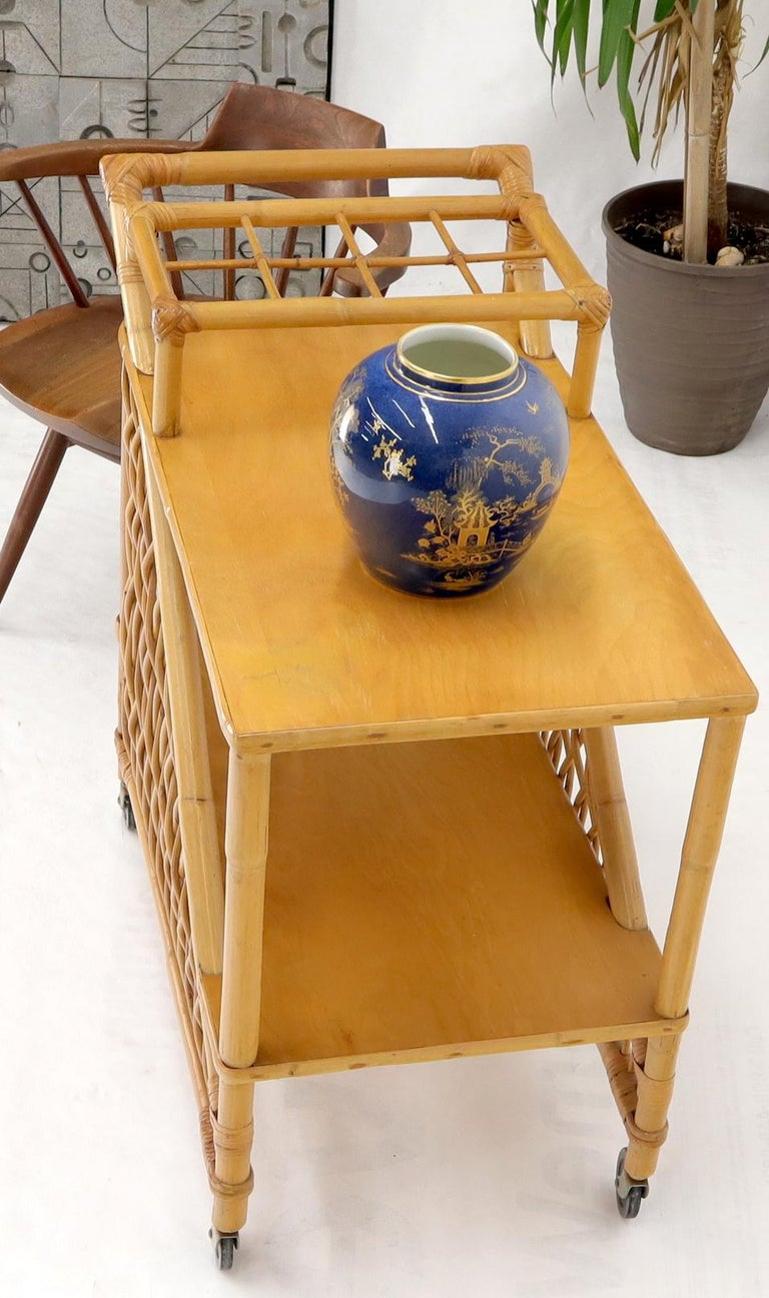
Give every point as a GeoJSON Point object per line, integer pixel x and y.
{"type": "Point", "coordinates": [488, 337]}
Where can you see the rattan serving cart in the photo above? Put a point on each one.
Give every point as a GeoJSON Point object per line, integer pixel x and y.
{"type": "Point", "coordinates": [382, 829]}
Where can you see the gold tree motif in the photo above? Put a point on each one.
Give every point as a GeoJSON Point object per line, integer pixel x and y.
{"type": "Point", "coordinates": [466, 531]}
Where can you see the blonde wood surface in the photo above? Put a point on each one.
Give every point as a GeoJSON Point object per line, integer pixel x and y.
{"type": "Point", "coordinates": [600, 623]}
{"type": "Point", "coordinates": [607, 800]}
{"type": "Point", "coordinates": [404, 887]}
{"type": "Point", "coordinates": [197, 812]}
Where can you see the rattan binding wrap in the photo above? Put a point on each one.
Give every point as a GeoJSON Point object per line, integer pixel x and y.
{"type": "Point", "coordinates": [146, 761]}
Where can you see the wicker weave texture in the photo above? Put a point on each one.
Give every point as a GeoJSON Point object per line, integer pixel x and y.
{"type": "Point", "coordinates": [146, 758]}
{"type": "Point", "coordinates": [569, 758]}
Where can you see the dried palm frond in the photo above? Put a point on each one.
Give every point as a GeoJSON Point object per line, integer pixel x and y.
{"type": "Point", "coordinates": [667, 65]}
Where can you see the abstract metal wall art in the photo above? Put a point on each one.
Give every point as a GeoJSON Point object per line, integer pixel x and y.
{"type": "Point", "coordinates": [74, 69]}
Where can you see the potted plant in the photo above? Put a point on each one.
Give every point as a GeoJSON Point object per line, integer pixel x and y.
{"type": "Point", "coordinates": [688, 261]}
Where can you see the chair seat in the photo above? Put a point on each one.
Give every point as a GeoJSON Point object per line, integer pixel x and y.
{"type": "Point", "coordinates": [62, 367]}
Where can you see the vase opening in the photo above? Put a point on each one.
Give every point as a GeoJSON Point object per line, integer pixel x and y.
{"type": "Point", "coordinates": [457, 353]}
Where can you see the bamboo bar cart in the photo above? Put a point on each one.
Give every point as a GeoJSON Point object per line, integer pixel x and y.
{"type": "Point", "coordinates": [333, 894]}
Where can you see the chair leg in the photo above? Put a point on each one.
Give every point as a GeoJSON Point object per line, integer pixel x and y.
{"type": "Point", "coordinates": [31, 501]}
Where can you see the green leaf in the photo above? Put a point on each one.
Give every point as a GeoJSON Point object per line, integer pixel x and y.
{"type": "Point", "coordinates": [764, 53]}
{"type": "Point", "coordinates": [581, 23]}
{"type": "Point", "coordinates": [663, 9]}
{"type": "Point", "coordinates": [626, 48]}
{"type": "Point", "coordinates": [617, 15]}
{"type": "Point", "coordinates": [540, 8]}
{"type": "Point", "coordinates": [564, 20]}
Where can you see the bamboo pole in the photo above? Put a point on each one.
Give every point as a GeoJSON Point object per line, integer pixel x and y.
{"type": "Point", "coordinates": [655, 1077]}
{"type": "Point", "coordinates": [698, 109]}
{"type": "Point", "coordinates": [607, 800]}
{"type": "Point", "coordinates": [647, 1127]}
{"type": "Point", "coordinates": [534, 335]}
{"type": "Point", "coordinates": [348, 235]}
{"type": "Point", "coordinates": [263, 265]}
{"type": "Point", "coordinates": [579, 401]}
{"type": "Point", "coordinates": [698, 859]}
{"type": "Point", "coordinates": [276, 166]}
{"type": "Point", "coordinates": [167, 388]}
{"type": "Point", "coordinates": [248, 798]}
{"type": "Point", "coordinates": [554, 304]}
{"type": "Point", "coordinates": [374, 260]}
{"type": "Point", "coordinates": [133, 292]}
{"type": "Point", "coordinates": [228, 249]}
{"type": "Point", "coordinates": [275, 213]}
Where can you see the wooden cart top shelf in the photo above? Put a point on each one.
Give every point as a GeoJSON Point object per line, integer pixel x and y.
{"type": "Point", "coordinates": [600, 623]}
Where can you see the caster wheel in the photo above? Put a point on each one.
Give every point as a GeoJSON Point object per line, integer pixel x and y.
{"type": "Point", "coordinates": [630, 1193]}
{"type": "Point", "coordinates": [224, 1249]}
{"type": "Point", "coordinates": [124, 803]}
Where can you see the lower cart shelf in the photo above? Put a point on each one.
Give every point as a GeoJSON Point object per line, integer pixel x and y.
{"type": "Point", "coordinates": [432, 900]}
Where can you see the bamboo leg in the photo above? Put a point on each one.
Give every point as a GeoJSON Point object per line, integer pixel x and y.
{"type": "Point", "coordinates": [701, 846]}
{"type": "Point", "coordinates": [655, 1077]}
{"type": "Point", "coordinates": [248, 797]}
{"type": "Point", "coordinates": [527, 277]}
{"type": "Point", "coordinates": [647, 1128]}
{"type": "Point", "coordinates": [166, 393]}
{"type": "Point", "coordinates": [607, 801]}
{"type": "Point", "coordinates": [133, 292]}
{"type": "Point", "coordinates": [197, 811]}
{"type": "Point", "coordinates": [580, 398]}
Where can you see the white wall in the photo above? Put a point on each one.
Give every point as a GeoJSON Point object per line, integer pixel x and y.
{"type": "Point", "coordinates": [453, 72]}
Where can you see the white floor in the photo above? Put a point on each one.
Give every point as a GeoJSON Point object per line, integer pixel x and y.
{"type": "Point", "coordinates": [490, 1176]}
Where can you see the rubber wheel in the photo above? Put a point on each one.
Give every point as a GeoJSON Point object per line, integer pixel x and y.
{"type": "Point", "coordinates": [124, 802]}
{"type": "Point", "coordinates": [225, 1252]}
{"type": "Point", "coordinates": [629, 1204]}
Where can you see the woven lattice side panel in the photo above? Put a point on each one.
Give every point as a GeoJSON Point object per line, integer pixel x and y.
{"type": "Point", "coordinates": [569, 758]}
{"type": "Point", "coordinates": [144, 745]}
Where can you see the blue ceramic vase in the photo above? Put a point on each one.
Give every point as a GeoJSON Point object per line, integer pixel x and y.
{"type": "Point", "coordinates": [447, 454]}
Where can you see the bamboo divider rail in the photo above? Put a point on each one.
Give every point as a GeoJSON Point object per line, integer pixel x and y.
{"type": "Point", "coordinates": [158, 319]}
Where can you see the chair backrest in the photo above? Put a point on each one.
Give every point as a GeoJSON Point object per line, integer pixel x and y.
{"type": "Point", "coordinates": [253, 117]}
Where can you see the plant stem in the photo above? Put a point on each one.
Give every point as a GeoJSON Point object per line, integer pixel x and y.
{"type": "Point", "coordinates": [699, 105]}
{"type": "Point", "coordinates": [718, 213]}
{"type": "Point", "coordinates": [729, 22]}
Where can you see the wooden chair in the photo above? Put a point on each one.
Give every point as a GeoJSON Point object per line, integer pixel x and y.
{"type": "Point", "coordinates": [61, 366]}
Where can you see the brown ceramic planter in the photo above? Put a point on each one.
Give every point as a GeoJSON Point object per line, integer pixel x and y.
{"type": "Point", "coordinates": [691, 343]}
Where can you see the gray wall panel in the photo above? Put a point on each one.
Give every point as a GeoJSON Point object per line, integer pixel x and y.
{"type": "Point", "coordinates": [140, 68]}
